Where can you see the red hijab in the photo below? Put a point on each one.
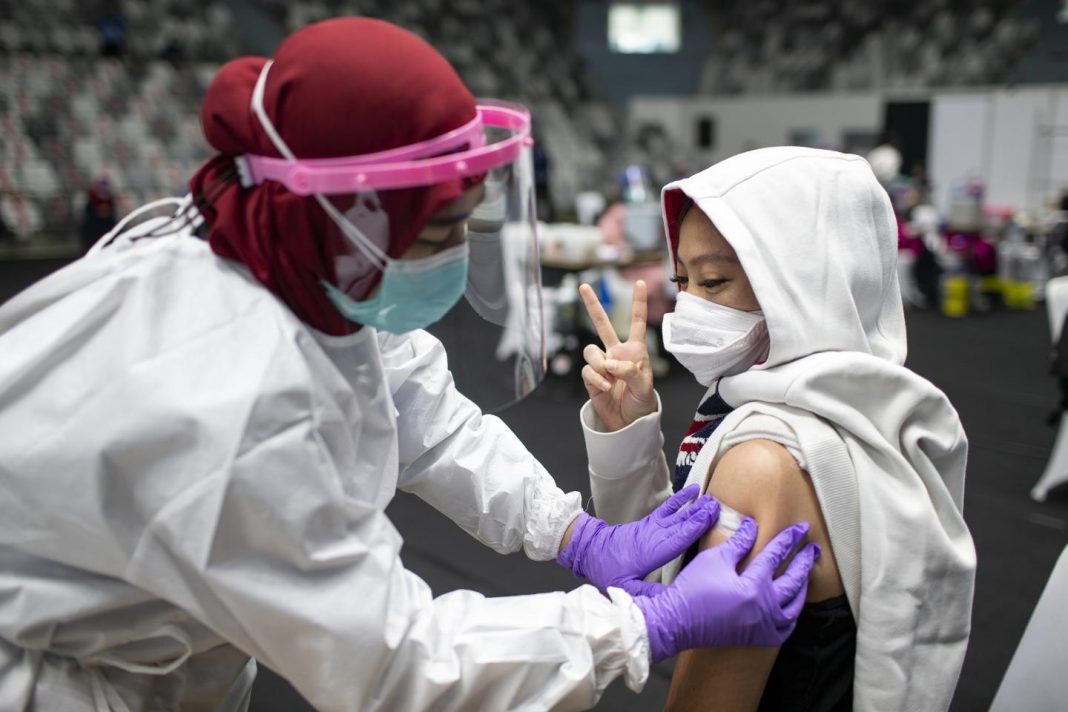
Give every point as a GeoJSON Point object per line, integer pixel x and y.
{"type": "Point", "coordinates": [341, 87]}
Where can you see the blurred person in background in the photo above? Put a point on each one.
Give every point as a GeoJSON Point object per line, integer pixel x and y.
{"type": "Point", "coordinates": [1059, 234]}
{"type": "Point", "coordinates": [542, 181]}
{"type": "Point", "coordinates": [206, 417]}
{"type": "Point", "coordinates": [99, 216]}
{"type": "Point", "coordinates": [112, 27]}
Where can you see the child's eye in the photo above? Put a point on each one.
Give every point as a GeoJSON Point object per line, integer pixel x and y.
{"type": "Point", "coordinates": [712, 283]}
{"type": "Point", "coordinates": [679, 279]}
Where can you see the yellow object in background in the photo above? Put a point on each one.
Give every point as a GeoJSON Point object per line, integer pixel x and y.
{"type": "Point", "coordinates": [955, 295]}
{"type": "Point", "coordinates": [991, 284]}
{"type": "Point", "coordinates": [1018, 295]}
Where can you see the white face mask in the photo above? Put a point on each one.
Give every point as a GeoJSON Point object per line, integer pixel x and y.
{"type": "Point", "coordinates": [712, 340]}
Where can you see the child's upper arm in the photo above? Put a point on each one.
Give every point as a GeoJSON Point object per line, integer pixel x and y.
{"type": "Point", "coordinates": [760, 479]}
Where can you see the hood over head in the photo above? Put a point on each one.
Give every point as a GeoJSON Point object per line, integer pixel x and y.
{"type": "Point", "coordinates": [815, 233]}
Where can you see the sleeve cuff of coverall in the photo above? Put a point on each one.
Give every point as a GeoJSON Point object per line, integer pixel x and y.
{"type": "Point", "coordinates": [625, 452]}
{"type": "Point", "coordinates": [635, 640]}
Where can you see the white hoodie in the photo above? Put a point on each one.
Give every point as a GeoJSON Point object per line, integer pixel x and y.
{"type": "Point", "coordinates": [816, 236]}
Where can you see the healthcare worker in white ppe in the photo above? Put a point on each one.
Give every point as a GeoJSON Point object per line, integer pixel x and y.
{"type": "Point", "coordinates": [204, 419]}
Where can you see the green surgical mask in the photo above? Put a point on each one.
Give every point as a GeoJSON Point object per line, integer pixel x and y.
{"type": "Point", "coordinates": [413, 294]}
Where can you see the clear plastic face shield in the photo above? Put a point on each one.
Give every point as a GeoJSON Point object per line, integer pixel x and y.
{"type": "Point", "coordinates": [495, 337]}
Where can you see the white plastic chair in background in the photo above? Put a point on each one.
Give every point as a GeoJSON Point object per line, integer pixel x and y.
{"type": "Point", "coordinates": [1057, 468]}
{"type": "Point", "coordinates": [1035, 680]}
{"type": "Point", "coordinates": [589, 205]}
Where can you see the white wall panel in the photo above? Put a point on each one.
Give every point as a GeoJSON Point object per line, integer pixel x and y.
{"type": "Point", "coordinates": [1016, 141]}
{"type": "Point", "coordinates": [956, 144]}
{"type": "Point", "coordinates": [746, 123]}
{"type": "Point", "coordinates": [1017, 159]}
{"type": "Point", "coordinates": [1058, 177]}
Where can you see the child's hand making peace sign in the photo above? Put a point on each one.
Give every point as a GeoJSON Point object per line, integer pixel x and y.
{"type": "Point", "coordinates": [619, 379]}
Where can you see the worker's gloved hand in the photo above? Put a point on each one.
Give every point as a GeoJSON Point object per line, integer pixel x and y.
{"type": "Point", "coordinates": [710, 604]}
{"type": "Point", "coordinates": [622, 554]}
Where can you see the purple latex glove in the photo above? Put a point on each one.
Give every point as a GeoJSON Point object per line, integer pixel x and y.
{"type": "Point", "coordinates": [622, 554]}
{"type": "Point", "coordinates": [710, 604]}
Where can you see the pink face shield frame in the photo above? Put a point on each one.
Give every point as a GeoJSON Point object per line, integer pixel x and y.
{"type": "Point", "coordinates": [409, 166]}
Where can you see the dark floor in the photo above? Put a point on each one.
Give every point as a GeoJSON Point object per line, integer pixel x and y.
{"type": "Point", "coordinates": [993, 368]}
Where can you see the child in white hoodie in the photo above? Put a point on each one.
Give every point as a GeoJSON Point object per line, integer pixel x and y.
{"type": "Point", "coordinates": [790, 314]}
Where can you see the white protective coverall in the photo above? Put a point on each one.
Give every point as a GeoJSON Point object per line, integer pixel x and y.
{"type": "Point", "coordinates": [884, 447]}
{"type": "Point", "coordinates": [190, 478]}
